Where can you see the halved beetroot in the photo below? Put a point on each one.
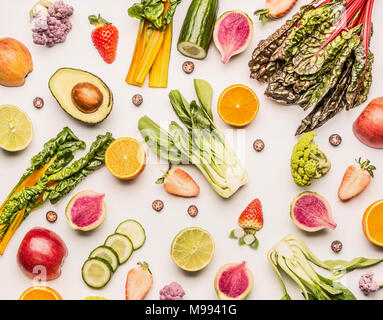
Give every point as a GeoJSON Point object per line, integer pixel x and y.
{"type": "Point", "coordinates": [311, 212]}
{"type": "Point", "coordinates": [86, 210]}
{"type": "Point", "coordinates": [234, 281]}
{"type": "Point", "coordinates": [233, 33]}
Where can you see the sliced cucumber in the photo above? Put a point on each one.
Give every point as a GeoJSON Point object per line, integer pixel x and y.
{"type": "Point", "coordinates": [96, 272]}
{"type": "Point", "coordinates": [192, 50]}
{"type": "Point", "coordinates": [134, 231]}
{"type": "Point", "coordinates": [106, 253]}
{"type": "Point", "coordinates": [197, 29]}
{"type": "Point", "coordinates": [121, 244]}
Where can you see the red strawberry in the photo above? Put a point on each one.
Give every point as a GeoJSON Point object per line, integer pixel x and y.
{"type": "Point", "coordinates": [356, 178]}
{"type": "Point", "coordinates": [251, 219]}
{"type": "Point", "coordinates": [104, 37]}
{"type": "Point", "coordinates": [275, 9]}
{"type": "Point", "coordinates": [179, 183]}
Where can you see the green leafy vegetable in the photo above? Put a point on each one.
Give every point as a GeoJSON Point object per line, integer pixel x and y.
{"type": "Point", "coordinates": [153, 11]}
{"type": "Point", "coordinates": [201, 144]}
{"type": "Point", "coordinates": [293, 257]}
{"type": "Point", "coordinates": [320, 60]}
{"type": "Point", "coordinates": [69, 177]}
{"type": "Point", "coordinates": [55, 181]}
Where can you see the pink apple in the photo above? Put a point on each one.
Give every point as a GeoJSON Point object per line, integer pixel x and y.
{"type": "Point", "coordinates": [42, 251]}
{"type": "Point", "coordinates": [368, 128]}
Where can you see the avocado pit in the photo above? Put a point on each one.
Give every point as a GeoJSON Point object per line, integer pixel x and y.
{"type": "Point", "coordinates": [87, 97]}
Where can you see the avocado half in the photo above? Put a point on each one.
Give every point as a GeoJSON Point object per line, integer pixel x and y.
{"type": "Point", "coordinates": [61, 84]}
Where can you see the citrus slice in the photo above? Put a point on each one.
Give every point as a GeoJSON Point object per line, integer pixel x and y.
{"type": "Point", "coordinates": [16, 128]}
{"type": "Point", "coordinates": [192, 249]}
{"type": "Point", "coordinates": [373, 223]}
{"type": "Point", "coordinates": [238, 105]}
{"type": "Point", "coordinates": [40, 293]}
{"type": "Point", "coordinates": [125, 158]}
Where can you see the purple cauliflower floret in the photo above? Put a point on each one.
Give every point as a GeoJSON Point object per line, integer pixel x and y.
{"type": "Point", "coordinates": [60, 10]}
{"type": "Point", "coordinates": [57, 25]}
{"type": "Point", "coordinates": [172, 291]}
{"type": "Point", "coordinates": [367, 284]}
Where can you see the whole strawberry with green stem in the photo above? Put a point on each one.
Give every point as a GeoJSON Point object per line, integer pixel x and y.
{"type": "Point", "coordinates": [250, 221]}
{"type": "Point", "coordinates": [104, 37]}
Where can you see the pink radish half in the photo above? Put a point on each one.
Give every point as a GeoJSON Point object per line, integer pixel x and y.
{"type": "Point", "coordinates": [233, 33]}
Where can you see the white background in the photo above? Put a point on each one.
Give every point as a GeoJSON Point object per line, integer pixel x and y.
{"type": "Point", "coordinates": [269, 171]}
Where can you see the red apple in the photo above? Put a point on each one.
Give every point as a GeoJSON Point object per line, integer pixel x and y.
{"type": "Point", "coordinates": [15, 62]}
{"type": "Point", "coordinates": [42, 249]}
{"type": "Point", "coordinates": [368, 128]}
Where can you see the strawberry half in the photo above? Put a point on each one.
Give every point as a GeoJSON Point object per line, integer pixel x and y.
{"type": "Point", "coordinates": [275, 9]}
{"type": "Point", "coordinates": [179, 183]}
{"type": "Point", "coordinates": [104, 37]}
{"type": "Point", "coordinates": [356, 178]}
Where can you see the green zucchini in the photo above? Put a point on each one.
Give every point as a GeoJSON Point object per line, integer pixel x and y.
{"type": "Point", "coordinates": [197, 29]}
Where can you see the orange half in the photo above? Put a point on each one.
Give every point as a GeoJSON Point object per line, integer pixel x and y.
{"type": "Point", "coordinates": [373, 223]}
{"type": "Point", "coordinates": [125, 158]}
{"type": "Point", "coordinates": [40, 293]}
{"type": "Point", "coordinates": [238, 105]}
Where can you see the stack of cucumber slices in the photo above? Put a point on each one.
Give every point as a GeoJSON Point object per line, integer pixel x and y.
{"type": "Point", "coordinates": [117, 249]}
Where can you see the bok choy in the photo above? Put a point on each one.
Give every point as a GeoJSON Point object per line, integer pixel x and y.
{"type": "Point", "coordinates": [294, 257]}
{"type": "Point", "coordinates": [201, 143]}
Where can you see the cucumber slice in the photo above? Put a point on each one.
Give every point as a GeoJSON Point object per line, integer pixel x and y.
{"type": "Point", "coordinates": [191, 50]}
{"type": "Point", "coordinates": [134, 231]}
{"type": "Point", "coordinates": [122, 245]}
{"type": "Point", "coordinates": [96, 272]}
{"type": "Point", "coordinates": [106, 253]}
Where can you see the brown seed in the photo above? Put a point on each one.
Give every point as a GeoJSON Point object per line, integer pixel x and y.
{"type": "Point", "coordinates": [335, 140]}
{"type": "Point", "coordinates": [51, 216]}
{"type": "Point", "coordinates": [192, 211]}
{"type": "Point", "coordinates": [336, 246]}
{"type": "Point", "coordinates": [188, 67]}
{"type": "Point", "coordinates": [87, 97]}
{"type": "Point", "coordinates": [137, 99]}
{"type": "Point", "coordinates": [158, 205]}
{"type": "Point", "coordinates": [38, 102]}
{"type": "Point", "coordinates": [258, 145]}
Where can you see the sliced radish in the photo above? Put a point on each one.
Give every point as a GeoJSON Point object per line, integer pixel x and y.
{"type": "Point", "coordinates": [233, 33]}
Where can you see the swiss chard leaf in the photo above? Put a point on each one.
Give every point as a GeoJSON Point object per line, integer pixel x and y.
{"type": "Point", "coordinates": [154, 11]}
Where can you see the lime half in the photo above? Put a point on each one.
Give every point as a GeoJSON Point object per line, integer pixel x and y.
{"type": "Point", "coordinates": [16, 128]}
{"type": "Point", "coordinates": [192, 249]}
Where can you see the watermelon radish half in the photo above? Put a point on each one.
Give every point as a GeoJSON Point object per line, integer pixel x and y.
{"type": "Point", "coordinates": [86, 210]}
{"type": "Point", "coordinates": [311, 212]}
{"type": "Point", "coordinates": [234, 281]}
{"type": "Point", "coordinates": [233, 33]}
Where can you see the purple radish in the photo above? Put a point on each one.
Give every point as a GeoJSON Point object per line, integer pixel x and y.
{"type": "Point", "coordinates": [311, 212]}
{"type": "Point", "coordinates": [234, 281]}
{"type": "Point", "coordinates": [86, 210]}
{"type": "Point", "coordinates": [233, 33]}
